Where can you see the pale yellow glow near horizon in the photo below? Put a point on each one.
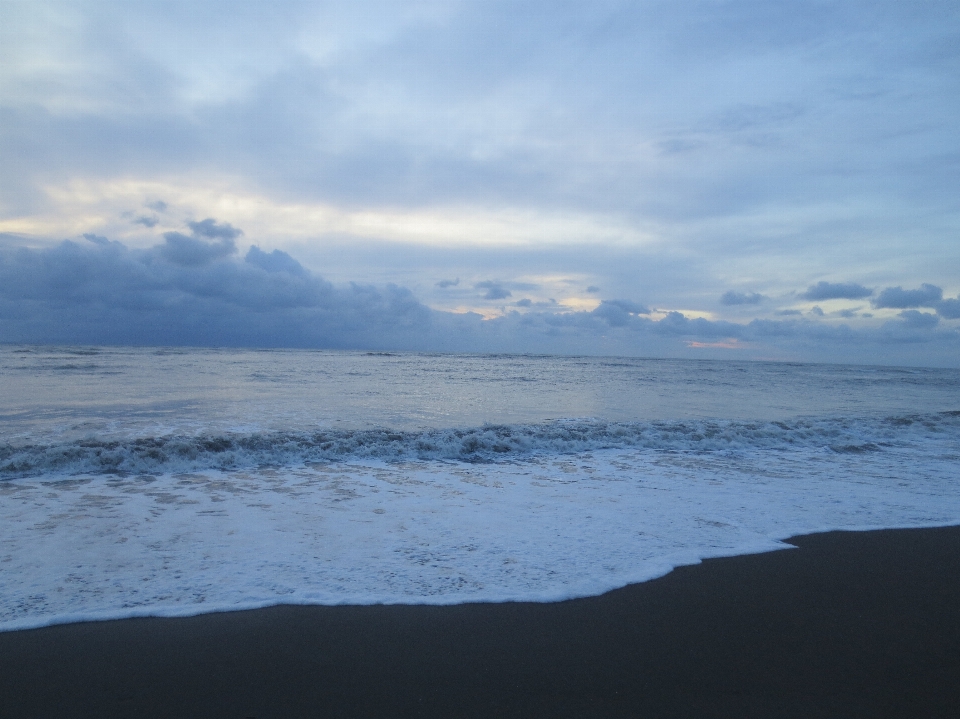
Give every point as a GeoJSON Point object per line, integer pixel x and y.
{"type": "Point", "coordinates": [580, 304]}
{"type": "Point", "coordinates": [731, 343]}
{"type": "Point", "coordinates": [490, 311]}
{"type": "Point", "coordinates": [109, 207]}
{"type": "Point", "coordinates": [487, 313]}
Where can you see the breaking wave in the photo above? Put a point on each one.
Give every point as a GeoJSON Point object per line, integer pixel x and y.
{"type": "Point", "coordinates": [180, 453]}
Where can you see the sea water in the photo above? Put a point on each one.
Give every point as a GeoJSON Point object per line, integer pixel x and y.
{"type": "Point", "coordinates": [139, 481]}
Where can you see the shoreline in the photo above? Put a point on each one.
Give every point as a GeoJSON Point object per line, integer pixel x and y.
{"type": "Point", "coordinates": [852, 624]}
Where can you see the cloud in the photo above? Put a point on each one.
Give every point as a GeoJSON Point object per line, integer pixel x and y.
{"type": "Point", "coordinates": [211, 230]}
{"type": "Point", "coordinates": [735, 298]}
{"type": "Point", "coordinates": [676, 323]}
{"type": "Point", "coordinates": [443, 284]}
{"type": "Point", "coordinates": [617, 313]}
{"type": "Point", "coordinates": [106, 293]}
{"type": "Point", "coordinates": [927, 295]}
{"type": "Point", "coordinates": [147, 222]}
{"type": "Point", "coordinates": [899, 298]}
{"type": "Point", "coordinates": [634, 308]}
{"type": "Point", "coordinates": [593, 288]}
{"type": "Point", "coordinates": [276, 261]}
{"type": "Point", "coordinates": [919, 320]}
{"type": "Point", "coordinates": [949, 309]}
{"type": "Point", "coordinates": [415, 107]}
{"type": "Point", "coordinates": [194, 251]}
{"type": "Point", "coordinates": [839, 291]}
{"type": "Point", "coordinates": [494, 290]}
{"type": "Point", "coordinates": [103, 292]}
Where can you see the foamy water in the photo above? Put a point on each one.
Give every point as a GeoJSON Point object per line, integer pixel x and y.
{"type": "Point", "coordinates": [149, 483]}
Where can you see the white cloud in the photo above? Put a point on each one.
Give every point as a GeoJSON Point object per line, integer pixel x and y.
{"type": "Point", "coordinates": [110, 206]}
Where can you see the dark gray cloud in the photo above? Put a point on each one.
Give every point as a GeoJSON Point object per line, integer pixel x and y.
{"type": "Point", "coordinates": [676, 323]}
{"type": "Point", "coordinates": [836, 291]}
{"type": "Point", "coordinates": [928, 295]}
{"type": "Point", "coordinates": [276, 261]}
{"type": "Point", "coordinates": [147, 222]}
{"type": "Point", "coordinates": [194, 250]}
{"type": "Point", "coordinates": [525, 302]}
{"type": "Point", "coordinates": [617, 313]}
{"type": "Point", "coordinates": [919, 320]}
{"type": "Point", "coordinates": [494, 290]}
{"type": "Point", "coordinates": [213, 230]}
{"type": "Point", "coordinates": [950, 309]}
{"type": "Point", "coordinates": [634, 308]}
{"type": "Point", "coordinates": [899, 298]}
{"type": "Point", "coordinates": [737, 298]}
{"type": "Point", "coordinates": [104, 292]}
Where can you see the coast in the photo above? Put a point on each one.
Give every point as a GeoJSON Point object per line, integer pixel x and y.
{"type": "Point", "coordinates": [849, 624]}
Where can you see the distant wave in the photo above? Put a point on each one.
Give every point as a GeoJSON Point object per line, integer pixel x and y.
{"type": "Point", "coordinates": [180, 453]}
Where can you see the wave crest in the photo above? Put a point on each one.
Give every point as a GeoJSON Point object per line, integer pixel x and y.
{"type": "Point", "coordinates": [180, 453]}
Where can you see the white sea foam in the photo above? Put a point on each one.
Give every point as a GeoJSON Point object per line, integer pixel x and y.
{"type": "Point", "coordinates": [539, 527]}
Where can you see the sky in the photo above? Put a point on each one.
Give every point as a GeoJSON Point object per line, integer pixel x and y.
{"type": "Point", "coordinates": [719, 179]}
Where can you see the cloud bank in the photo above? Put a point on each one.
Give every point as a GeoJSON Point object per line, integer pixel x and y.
{"type": "Point", "coordinates": [199, 289]}
{"type": "Point", "coordinates": [193, 290]}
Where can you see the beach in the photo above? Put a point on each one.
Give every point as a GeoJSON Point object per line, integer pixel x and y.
{"type": "Point", "coordinates": [850, 624]}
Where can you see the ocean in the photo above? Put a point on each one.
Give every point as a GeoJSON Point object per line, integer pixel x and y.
{"type": "Point", "coordinates": [164, 481]}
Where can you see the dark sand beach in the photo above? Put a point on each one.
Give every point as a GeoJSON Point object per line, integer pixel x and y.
{"type": "Point", "coordinates": [849, 625]}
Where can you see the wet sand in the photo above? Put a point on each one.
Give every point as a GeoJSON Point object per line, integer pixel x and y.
{"type": "Point", "coordinates": [852, 624]}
